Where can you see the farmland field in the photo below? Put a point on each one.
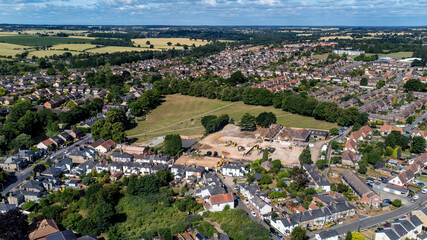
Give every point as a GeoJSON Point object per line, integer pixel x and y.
{"type": "Point", "coordinates": [112, 49]}
{"type": "Point", "coordinates": [333, 37]}
{"type": "Point", "coordinates": [32, 40]}
{"type": "Point", "coordinates": [44, 53]}
{"type": "Point", "coordinates": [182, 114]}
{"type": "Point", "coordinates": [73, 47]}
{"type": "Point", "coordinates": [162, 43]}
{"type": "Point", "coordinates": [7, 49]}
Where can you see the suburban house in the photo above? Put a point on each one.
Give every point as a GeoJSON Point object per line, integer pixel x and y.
{"type": "Point", "coordinates": [422, 215]}
{"type": "Point", "coordinates": [217, 203]}
{"type": "Point", "coordinates": [105, 146]}
{"type": "Point", "coordinates": [407, 228]}
{"type": "Point", "coordinates": [46, 144]}
{"type": "Point", "coordinates": [327, 235]}
{"type": "Point", "coordinates": [319, 180]}
{"type": "Point", "coordinates": [14, 163]}
{"type": "Point", "coordinates": [121, 157]}
{"type": "Point", "coordinates": [366, 195]}
{"type": "Point", "coordinates": [46, 228]}
{"type": "Point", "coordinates": [284, 225]}
{"type": "Point", "coordinates": [233, 169]}
{"type": "Point", "coordinates": [387, 129]}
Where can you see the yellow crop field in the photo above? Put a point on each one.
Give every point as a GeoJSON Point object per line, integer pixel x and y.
{"type": "Point", "coordinates": [73, 47]}
{"type": "Point", "coordinates": [44, 53]}
{"type": "Point", "coordinates": [116, 49]}
{"type": "Point", "coordinates": [334, 37]}
{"type": "Point", "coordinates": [162, 43]}
{"type": "Point", "coordinates": [7, 49]}
{"type": "Point", "coordinates": [8, 33]}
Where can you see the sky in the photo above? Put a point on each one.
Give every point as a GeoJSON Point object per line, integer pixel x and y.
{"type": "Point", "coordinates": [216, 12]}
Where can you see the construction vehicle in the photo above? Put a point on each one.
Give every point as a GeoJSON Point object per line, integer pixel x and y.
{"type": "Point", "coordinates": [220, 163]}
{"type": "Point", "coordinates": [225, 153]}
{"type": "Point", "coordinates": [256, 147]}
{"type": "Point", "coordinates": [234, 144]}
{"type": "Point", "coordinates": [240, 148]}
{"type": "Point", "coordinates": [228, 143]}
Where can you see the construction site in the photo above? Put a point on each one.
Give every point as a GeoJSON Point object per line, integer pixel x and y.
{"type": "Point", "coordinates": [233, 144]}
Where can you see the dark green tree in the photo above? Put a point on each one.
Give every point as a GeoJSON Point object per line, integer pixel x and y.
{"type": "Point", "coordinates": [248, 122]}
{"type": "Point", "coordinates": [172, 144]}
{"type": "Point", "coordinates": [265, 119]}
{"type": "Point", "coordinates": [418, 144]}
{"type": "Point", "coordinates": [305, 157]}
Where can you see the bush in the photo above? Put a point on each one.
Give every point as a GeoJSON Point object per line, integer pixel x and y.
{"type": "Point", "coordinates": [397, 203]}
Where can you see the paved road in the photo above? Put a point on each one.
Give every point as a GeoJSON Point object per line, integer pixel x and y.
{"type": "Point", "coordinates": [19, 177]}
{"type": "Point", "coordinates": [415, 123]}
{"type": "Point", "coordinates": [368, 222]}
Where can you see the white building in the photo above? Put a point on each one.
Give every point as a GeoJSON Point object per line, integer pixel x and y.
{"type": "Point", "coordinates": [217, 203]}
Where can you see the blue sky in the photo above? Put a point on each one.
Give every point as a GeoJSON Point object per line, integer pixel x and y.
{"type": "Point", "coordinates": [217, 12]}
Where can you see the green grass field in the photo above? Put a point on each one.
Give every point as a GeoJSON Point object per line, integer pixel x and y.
{"type": "Point", "coordinates": [33, 40]}
{"type": "Point", "coordinates": [175, 114]}
{"type": "Point", "coordinates": [394, 55]}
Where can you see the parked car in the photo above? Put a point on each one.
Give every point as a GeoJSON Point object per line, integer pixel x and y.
{"type": "Point", "coordinates": [420, 183]}
{"type": "Point", "coordinates": [410, 195]}
{"type": "Point", "coordinates": [253, 213]}
{"type": "Point", "coordinates": [412, 200]}
{"type": "Point", "coordinates": [383, 179]}
{"type": "Point", "coordinates": [416, 197]}
{"type": "Point", "coordinates": [424, 191]}
{"type": "Point", "coordinates": [386, 225]}
{"type": "Point", "coordinates": [387, 201]}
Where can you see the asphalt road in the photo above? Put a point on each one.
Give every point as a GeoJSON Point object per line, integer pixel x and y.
{"type": "Point", "coordinates": [368, 222]}
{"type": "Point", "coordinates": [415, 123]}
{"type": "Point", "coordinates": [19, 177]}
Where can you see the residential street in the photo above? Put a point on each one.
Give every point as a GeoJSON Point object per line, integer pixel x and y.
{"type": "Point", "coordinates": [359, 225]}
{"type": "Point", "coordinates": [20, 176]}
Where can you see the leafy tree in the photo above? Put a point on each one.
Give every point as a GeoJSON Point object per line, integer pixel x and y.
{"type": "Point", "coordinates": [397, 202]}
{"type": "Point", "coordinates": [364, 82]}
{"type": "Point", "coordinates": [264, 155]}
{"type": "Point", "coordinates": [299, 177]}
{"type": "Point", "coordinates": [363, 167]}
{"type": "Point", "coordinates": [172, 144]}
{"type": "Point", "coordinates": [348, 236]}
{"type": "Point", "coordinates": [22, 141]}
{"type": "Point", "coordinates": [237, 78]}
{"type": "Point", "coordinates": [305, 157]}
{"type": "Point", "coordinates": [414, 85]}
{"type": "Point", "coordinates": [51, 71]}
{"type": "Point", "coordinates": [321, 163]}
{"type": "Point", "coordinates": [333, 131]}
{"type": "Point", "coordinates": [13, 225]}
{"type": "Point", "coordinates": [3, 176]}
{"type": "Point", "coordinates": [248, 122]}
{"type": "Point", "coordinates": [265, 119]}
{"type": "Point", "coordinates": [298, 233]}
{"type": "Point", "coordinates": [395, 138]}
{"type": "Point", "coordinates": [39, 168]}
{"type": "Point", "coordinates": [418, 144]}
{"type": "Point", "coordinates": [342, 188]}
{"type": "Point", "coordinates": [265, 179]}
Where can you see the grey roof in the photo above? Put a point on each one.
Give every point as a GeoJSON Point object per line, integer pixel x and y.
{"type": "Point", "coordinates": [64, 235]}
{"type": "Point", "coordinates": [355, 183]}
{"type": "Point", "coordinates": [52, 171]}
{"type": "Point", "coordinates": [4, 207]}
{"type": "Point", "coordinates": [415, 220]}
{"type": "Point", "coordinates": [391, 234]}
{"type": "Point", "coordinates": [319, 179]}
{"type": "Point", "coordinates": [407, 225]}
{"type": "Point", "coordinates": [328, 234]}
{"type": "Point", "coordinates": [400, 231]}
{"type": "Point", "coordinates": [34, 184]}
